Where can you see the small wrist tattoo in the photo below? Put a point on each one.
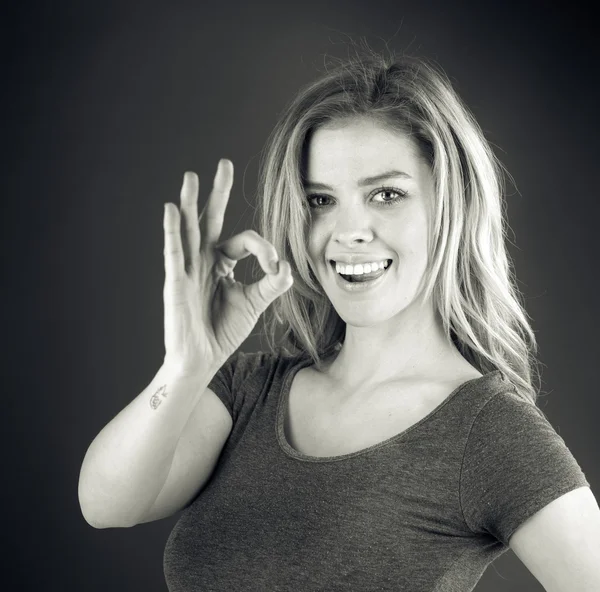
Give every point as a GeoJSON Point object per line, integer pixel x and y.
{"type": "Point", "coordinates": [156, 400]}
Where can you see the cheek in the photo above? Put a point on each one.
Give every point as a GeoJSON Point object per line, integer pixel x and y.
{"type": "Point", "coordinates": [315, 249]}
{"type": "Point", "coordinates": [316, 242]}
{"type": "Point", "coordinates": [411, 234]}
{"type": "Point", "coordinates": [405, 235]}
{"type": "Point", "coordinates": [410, 238]}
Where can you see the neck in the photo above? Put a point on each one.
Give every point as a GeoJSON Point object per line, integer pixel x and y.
{"type": "Point", "coordinates": [409, 346]}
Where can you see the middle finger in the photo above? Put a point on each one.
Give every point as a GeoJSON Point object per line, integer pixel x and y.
{"type": "Point", "coordinates": [213, 213]}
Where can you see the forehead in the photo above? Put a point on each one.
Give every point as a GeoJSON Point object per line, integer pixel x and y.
{"type": "Point", "coordinates": [357, 148]}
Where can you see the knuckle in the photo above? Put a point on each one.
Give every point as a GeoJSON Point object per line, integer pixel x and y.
{"type": "Point", "coordinates": [172, 251]}
{"type": "Point", "coordinates": [252, 306]}
{"type": "Point", "coordinates": [264, 288]}
{"type": "Point", "coordinates": [213, 216]}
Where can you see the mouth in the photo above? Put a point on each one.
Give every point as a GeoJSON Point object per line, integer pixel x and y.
{"type": "Point", "coordinates": [364, 277]}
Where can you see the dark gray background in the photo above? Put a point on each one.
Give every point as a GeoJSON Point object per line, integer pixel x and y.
{"type": "Point", "coordinates": [108, 103]}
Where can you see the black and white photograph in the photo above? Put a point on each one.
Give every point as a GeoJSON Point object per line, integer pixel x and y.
{"type": "Point", "coordinates": [301, 296]}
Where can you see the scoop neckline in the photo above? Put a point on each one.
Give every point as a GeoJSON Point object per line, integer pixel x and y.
{"type": "Point", "coordinates": [291, 452]}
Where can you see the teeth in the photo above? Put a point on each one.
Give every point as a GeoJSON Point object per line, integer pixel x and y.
{"type": "Point", "coordinates": [359, 269]}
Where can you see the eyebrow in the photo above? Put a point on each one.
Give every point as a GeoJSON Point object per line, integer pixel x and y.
{"type": "Point", "coordinates": [309, 185]}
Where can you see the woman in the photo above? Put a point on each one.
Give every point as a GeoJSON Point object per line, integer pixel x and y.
{"type": "Point", "coordinates": [391, 441]}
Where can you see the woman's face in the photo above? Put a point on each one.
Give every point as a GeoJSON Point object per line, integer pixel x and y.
{"type": "Point", "coordinates": [370, 197]}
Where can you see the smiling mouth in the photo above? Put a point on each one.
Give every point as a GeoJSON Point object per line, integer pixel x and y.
{"type": "Point", "coordinates": [363, 277]}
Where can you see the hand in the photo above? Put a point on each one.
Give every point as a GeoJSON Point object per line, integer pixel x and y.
{"type": "Point", "coordinates": [208, 314]}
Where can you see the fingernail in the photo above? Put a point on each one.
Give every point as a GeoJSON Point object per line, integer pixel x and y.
{"type": "Point", "coordinates": [274, 265]}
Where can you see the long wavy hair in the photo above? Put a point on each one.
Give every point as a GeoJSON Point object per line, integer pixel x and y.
{"type": "Point", "coordinates": [469, 274]}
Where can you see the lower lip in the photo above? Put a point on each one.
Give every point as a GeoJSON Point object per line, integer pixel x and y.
{"type": "Point", "coordinates": [359, 286]}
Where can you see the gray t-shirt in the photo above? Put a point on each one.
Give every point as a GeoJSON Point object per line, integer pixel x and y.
{"type": "Point", "coordinates": [424, 511]}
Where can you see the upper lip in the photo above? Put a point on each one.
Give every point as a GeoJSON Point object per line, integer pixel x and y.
{"type": "Point", "coordinates": [358, 259]}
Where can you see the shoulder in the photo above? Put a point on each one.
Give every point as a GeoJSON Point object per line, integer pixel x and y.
{"type": "Point", "coordinates": [244, 364]}
{"type": "Point", "coordinates": [511, 430]}
{"type": "Point", "coordinates": [514, 464]}
{"type": "Point", "coordinates": [463, 378]}
{"type": "Point", "coordinates": [453, 373]}
{"type": "Point", "coordinates": [242, 358]}
{"type": "Point", "coordinates": [506, 410]}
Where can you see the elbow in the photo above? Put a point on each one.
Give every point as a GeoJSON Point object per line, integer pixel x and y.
{"type": "Point", "coordinates": [99, 523]}
{"type": "Point", "coordinates": [100, 512]}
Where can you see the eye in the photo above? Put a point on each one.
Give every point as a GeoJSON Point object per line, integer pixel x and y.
{"type": "Point", "coordinates": [311, 197]}
{"type": "Point", "coordinates": [400, 195]}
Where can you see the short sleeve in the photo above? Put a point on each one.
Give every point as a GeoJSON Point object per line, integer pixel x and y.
{"type": "Point", "coordinates": [229, 381]}
{"type": "Point", "coordinates": [514, 464]}
{"type": "Point", "coordinates": [222, 382]}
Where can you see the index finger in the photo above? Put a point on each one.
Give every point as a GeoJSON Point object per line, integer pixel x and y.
{"type": "Point", "coordinates": [213, 213]}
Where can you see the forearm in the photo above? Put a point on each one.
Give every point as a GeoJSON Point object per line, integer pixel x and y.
{"type": "Point", "coordinates": [127, 464]}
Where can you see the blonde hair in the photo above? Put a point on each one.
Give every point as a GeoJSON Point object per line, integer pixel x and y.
{"type": "Point", "coordinates": [469, 277]}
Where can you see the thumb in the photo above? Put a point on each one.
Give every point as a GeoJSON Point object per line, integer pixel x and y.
{"type": "Point", "coordinates": [271, 286]}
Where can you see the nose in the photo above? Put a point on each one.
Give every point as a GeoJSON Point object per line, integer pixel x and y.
{"type": "Point", "coordinates": [352, 228]}
{"type": "Point", "coordinates": [350, 238]}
